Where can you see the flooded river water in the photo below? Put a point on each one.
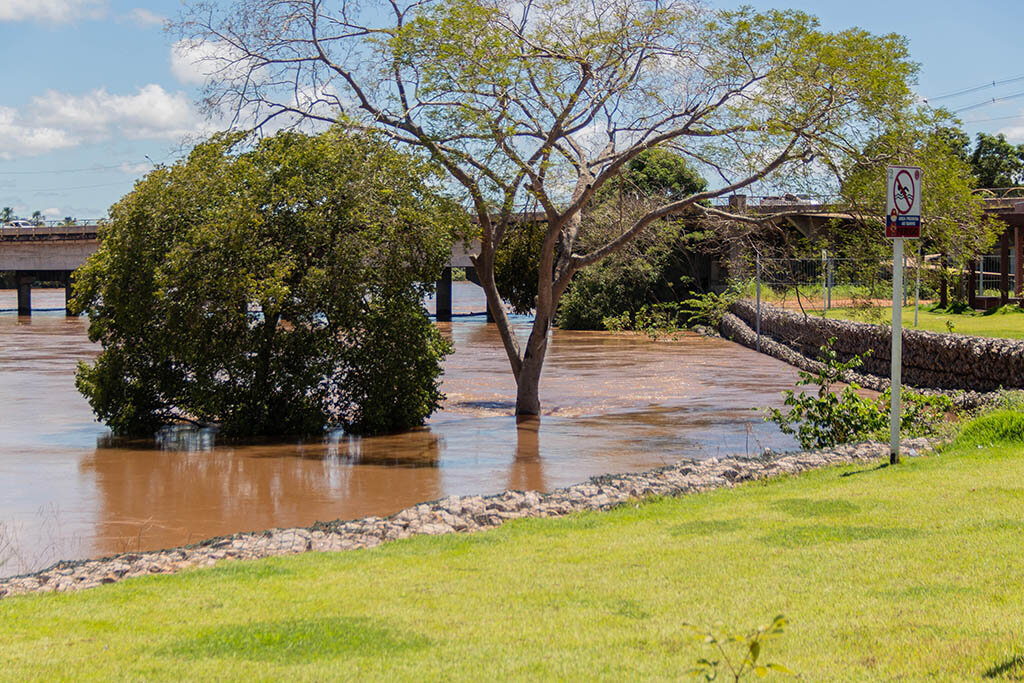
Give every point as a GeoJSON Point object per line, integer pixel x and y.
{"type": "Point", "coordinates": [612, 403]}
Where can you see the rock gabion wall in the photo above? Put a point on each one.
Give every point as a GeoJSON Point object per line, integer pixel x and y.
{"type": "Point", "coordinates": [930, 359]}
{"type": "Point", "coordinates": [455, 514]}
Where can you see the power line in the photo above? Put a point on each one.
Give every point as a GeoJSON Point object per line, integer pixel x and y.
{"type": "Point", "coordinates": [967, 91]}
{"type": "Point", "coordinates": [996, 118]}
{"type": "Point", "coordinates": [993, 100]}
{"type": "Point", "coordinates": [68, 170]}
{"type": "Point", "coordinates": [68, 189]}
{"type": "Point", "coordinates": [118, 165]}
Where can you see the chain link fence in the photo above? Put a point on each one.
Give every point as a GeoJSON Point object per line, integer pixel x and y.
{"type": "Point", "coordinates": [822, 284]}
{"type": "Point", "coordinates": [861, 289]}
{"type": "Point", "coordinates": [848, 288]}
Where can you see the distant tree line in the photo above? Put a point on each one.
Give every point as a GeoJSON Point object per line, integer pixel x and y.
{"type": "Point", "coordinates": [37, 217]}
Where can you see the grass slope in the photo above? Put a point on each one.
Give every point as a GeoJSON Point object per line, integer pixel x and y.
{"type": "Point", "coordinates": [909, 572]}
{"type": "Point", "coordinates": [1006, 322]}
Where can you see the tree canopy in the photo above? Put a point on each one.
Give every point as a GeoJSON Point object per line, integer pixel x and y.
{"type": "Point", "coordinates": [628, 279]}
{"type": "Point", "coordinates": [954, 222]}
{"type": "Point", "coordinates": [274, 289]}
{"type": "Point", "coordinates": [547, 102]}
{"type": "Point", "coordinates": [996, 162]}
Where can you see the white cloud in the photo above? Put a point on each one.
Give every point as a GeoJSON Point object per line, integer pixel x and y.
{"type": "Point", "coordinates": [1014, 133]}
{"type": "Point", "coordinates": [135, 169]}
{"type": "Point", "coordinates": [151, 113]}
{"type": "Point", "coordinates": [58, 120]}
{"type": "Point", "coordinates": [193, 62]}
{"type": "Point", "coordinates": [146, 18]}
{"type": "Point", "coordinates": [19, 138]}
{"type": "Point", "coordinates": [51, 11]}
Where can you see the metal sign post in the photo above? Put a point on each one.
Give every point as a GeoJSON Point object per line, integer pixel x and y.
{"type": "Point", "coordinates": [896, 364]}
{"type": "Point", "coordinates": [902, 220]}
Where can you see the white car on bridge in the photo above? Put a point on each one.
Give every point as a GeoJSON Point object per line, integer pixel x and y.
{"type": "Point", "coordinates": [18, 223]}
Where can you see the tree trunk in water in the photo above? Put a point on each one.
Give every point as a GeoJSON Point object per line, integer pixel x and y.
{"type": "Point", "coordinates": [528, 381]}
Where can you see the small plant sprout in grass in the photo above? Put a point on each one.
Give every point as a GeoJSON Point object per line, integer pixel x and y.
{"type": "Point", "coordinates": [738, 652]}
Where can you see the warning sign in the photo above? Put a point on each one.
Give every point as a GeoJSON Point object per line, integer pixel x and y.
{"type": "Point", "coordinates": [903, 201]}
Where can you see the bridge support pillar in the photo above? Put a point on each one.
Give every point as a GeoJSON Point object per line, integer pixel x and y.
{"type": "Point", "coordinates": [443, 296]}
{"type": "Point", "coordinates": [1018, 260]}
{"type": "Point", "coordinates": [472, 277]}
{"type": "Point", "coordinates": [25, 280]}
{"type": "Point", "coordinates": [67, 293]}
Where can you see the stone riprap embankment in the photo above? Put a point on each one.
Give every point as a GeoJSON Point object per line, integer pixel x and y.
{"type": "Point", "coordinates": [448, 515]}
{"type": "Point", "coordinates": [930, 359]}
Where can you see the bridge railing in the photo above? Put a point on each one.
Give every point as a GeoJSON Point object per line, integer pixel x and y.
{"type": "Point", "coordinates": [810, 203]}
{"type": "Point", "coordinates": [51, 230]}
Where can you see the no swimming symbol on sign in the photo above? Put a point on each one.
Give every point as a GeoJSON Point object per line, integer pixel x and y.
{"type": "Point", "coordinates": [903, 201]}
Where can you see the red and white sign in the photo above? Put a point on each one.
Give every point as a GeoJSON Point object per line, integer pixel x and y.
{"type": "Point", "coordinates": [903, 201]}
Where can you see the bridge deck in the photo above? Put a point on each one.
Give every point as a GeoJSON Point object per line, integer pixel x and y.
{"type": "Point", "coordinates": [48, 232]}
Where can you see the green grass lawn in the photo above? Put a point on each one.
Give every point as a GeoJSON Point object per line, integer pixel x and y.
{"type": "Point", "coordinates": [910, 572]}
{"type": "Point", "coordinates": [1006, 322]}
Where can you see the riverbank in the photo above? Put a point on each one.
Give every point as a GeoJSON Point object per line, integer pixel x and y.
{"type": "Point", "coordinates": [883, 572]}
{"type": "Point", "coordinates": [448, 515]}
{"type": "Point", "coordinates": [972, 371]}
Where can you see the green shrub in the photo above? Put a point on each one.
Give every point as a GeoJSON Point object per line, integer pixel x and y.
{"type": "Point", "coordinates": [624, 283]}
{"type": "Point", "coordinates": [709, 307]}
{"type": "Point", "coordinates": [654, 320]}
{"type": "Point", "coordinates": [829, 418]}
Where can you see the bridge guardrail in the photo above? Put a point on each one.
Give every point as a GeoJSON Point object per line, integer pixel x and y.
{"type": "Point", "coordinates": [82, 230]}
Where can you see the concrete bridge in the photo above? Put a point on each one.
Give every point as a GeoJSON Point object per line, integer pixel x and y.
{"type": "Point", "coordinates": [53, 251]}
{"type": "Point", "coordinates": [1007, 204]}
{"type": "Point", "coordinates": [47, 251]}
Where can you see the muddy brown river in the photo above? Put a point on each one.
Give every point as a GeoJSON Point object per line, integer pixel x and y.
{"type": "Point", "coordinates": [612, 402]}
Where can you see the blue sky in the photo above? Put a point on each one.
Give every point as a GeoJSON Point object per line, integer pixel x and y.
{"type": "Point", "coordinates": [92, 93]}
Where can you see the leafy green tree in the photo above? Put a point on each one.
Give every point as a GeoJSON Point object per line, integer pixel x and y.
{"type": "Point", "coordinates": [37, 217]}
{"type": "Point", "coordinates": [958, 142]}
{"type": "Point", "coordinates": [654, 174]}
{"type": "Point", "coordinates": [6, 214]}
{"type": "Point", "coordinates": [515, 266]}
{"type": "Point", "coordinates": [996, 162]}
{"type": "Point", "coordinates": [954, 223]}
{"type": "Point", "coordinates": [547, 102]}
{"type": "Point", "coordinates": [651, 269]}
{"type": "Point", "coordinates": [270, 290]}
